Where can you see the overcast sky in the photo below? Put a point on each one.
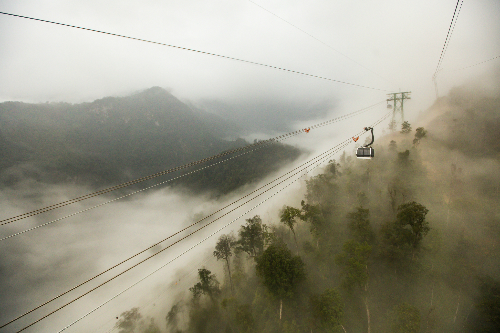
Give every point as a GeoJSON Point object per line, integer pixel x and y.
{"type": "Point", "coordinates": [386, 44]}
{"type": "Point", "coordinates": [400, 43]}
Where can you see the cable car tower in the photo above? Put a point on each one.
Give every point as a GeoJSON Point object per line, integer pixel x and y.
{"type": "Point", "coordinates": [398, 102]}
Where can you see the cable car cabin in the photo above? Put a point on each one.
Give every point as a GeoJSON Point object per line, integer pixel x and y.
{"type": "Point", "coordinates": [365, 152]}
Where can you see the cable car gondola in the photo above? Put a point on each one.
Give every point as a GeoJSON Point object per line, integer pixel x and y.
{"type": "Point", "coordinates": [366, 152]}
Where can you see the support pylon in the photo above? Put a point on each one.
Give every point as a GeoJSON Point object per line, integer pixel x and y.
{"type": "Point", "coordinates": [398, 107]}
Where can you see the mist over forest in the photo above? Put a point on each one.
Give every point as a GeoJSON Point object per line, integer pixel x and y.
{"type": "Point", "coordinates": [406, 242]}
{"type": "Point", "coordinates": [190, 166]}
{"type": "Point", "coordinates": [115, 139]}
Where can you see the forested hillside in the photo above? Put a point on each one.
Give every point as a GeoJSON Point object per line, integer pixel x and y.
{"type": "Point", "coordinates": [406, 242]}
{"type": "Point", "coordinates": [118, 139]}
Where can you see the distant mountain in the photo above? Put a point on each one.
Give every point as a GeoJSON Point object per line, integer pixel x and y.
{"type": "Point", "coordinates": [267, 116]}
{"type": "Point", "coordinates": [108, 141]}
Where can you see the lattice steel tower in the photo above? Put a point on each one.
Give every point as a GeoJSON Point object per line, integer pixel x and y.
{"type": "Point", "coordinates": [398, 107]}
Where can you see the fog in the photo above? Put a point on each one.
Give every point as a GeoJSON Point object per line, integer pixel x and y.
{"type": "Point", "coordinates": [399, 42]}
{"type": "Point", "coordinates": [45, 262]}
{"type": "Point", "coordinates": [52, 259]}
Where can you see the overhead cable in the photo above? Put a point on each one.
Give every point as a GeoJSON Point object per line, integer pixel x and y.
{"type": "Point", "coordinates": [479, 63]}
{"type": "Point", "coordinates": [152, 246]}
{"type": "Point", "coordinates": [453, 28]}
{"type": "Point", "coordinates": [132, 182]}
{"type": "Point", "coordinates": [141, 190]}
{"type": "Point", "coordinates": [197, 51]}
{"type": "Point", "coordinates": [178, 241]}
{"type": "Point", "coordinates": [317, 39]}
{"type": "Point", "coordinates": [448, 37]}
{"type": "Point", "coordinates": [182, 279]}
{"type": "Point", "coordinates": [342, 145]}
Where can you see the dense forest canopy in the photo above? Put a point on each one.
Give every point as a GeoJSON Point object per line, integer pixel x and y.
{"type": "Point", "coordinates": [406, 242]}
{"type": "Point", "coordinates": [117, 139]}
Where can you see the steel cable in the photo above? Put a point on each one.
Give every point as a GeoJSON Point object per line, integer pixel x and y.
{"type": "Point", "coordinates": [446, 41]}
{"type": "Point", "coordinates": [479, 63]}
{"type": "Point", "coordinates": [342, 145]}
{"type": "Point", "coordinates": [197, 51]}
{"type": "Point", "coordinates": [327, 45]}
{"type": "Point", "coordinates": [172, 244]}
{"type": "Point", "coordinates": [113, 188]}
{"type": "Point", "coordinates": [141, 190]}
{"type": "Point", "coordinates": [150, 247]}
{"type": "Point", "coordinates": [452, 29]}
{"type": "Point", "coordinates": [201, 263]}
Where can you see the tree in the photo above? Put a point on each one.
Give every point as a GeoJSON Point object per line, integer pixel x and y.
{"type": "Point", "coordinates": [405, 127]}
{"type": "Point", "coordinates": [327, 310]}
{"type": "Point", "coordinates": [362, 199]}
{"type": "Point", "coordinates": [392, 125]}
{"type": "Point", "coordinates": [394, 247]}
{"type": "Point", "coordinates": [129, 321]}
{"type": "Point", "coordinates": [253, 237]}
{"type": "Point", "coordinates": [244, 318]}
{"type": "Point", "coordinates": [393, 145]}
{"type": "Point", "coordinates": [397, 188]}
{"type": "Point", "coordinates": [319, 189]}
{"type": "Point", "coordinates": [359, 225]}
{"type": "Point", "coordinates": [172, 317]}
{"type": "Point", "coordinates": [404, 158]}
{"type": "Point", "coordinates": [403, 236]}
{"type": "Point", "coordinates": [287, 216]}
{"type": "Point", "coordinates": [406, 319]}
{"type": "Point", "coordinates": [208, 285]}
{"type": "Point", "coordinates": [354, 263]}
{"type": "Point", "coordinates": [224, 250]}
{"type": "Point", "coordinates": [280, 272]}
{"type": "Point", "coordinates": [413, 214]}
{"type": "Point", "coordinates": [332, 169]}
{"type": "Point", "coordinates": [420, 132]}
{"type": "Point", "coordinates": [488, 306]}
{"type": "Point", "coordinates": [312, 214]}
{"type": "Point", "coordinates": [152, 327]}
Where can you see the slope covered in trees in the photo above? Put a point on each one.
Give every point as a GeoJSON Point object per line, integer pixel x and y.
{"type": "Point", "coordinates": [117, 139]}
{"type": "Point", "coordinates": [406, 242]}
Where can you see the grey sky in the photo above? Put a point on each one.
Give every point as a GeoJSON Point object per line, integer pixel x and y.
{"type": "Point", "coordinates": [399, 40]}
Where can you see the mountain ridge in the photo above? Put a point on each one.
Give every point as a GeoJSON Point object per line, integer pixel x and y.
{"type": "Point", "coordinates": [109, 140]}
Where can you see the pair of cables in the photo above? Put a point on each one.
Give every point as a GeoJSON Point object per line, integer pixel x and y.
{"type": "Point", "coordinates": [180, 282]}
{"type": "Point", "coordinates": [476, 64]}
{"type": "Point", "coordinates": [196, 51]}
{"type": "Point", "coordinates": [336, 149]}
{"type": "Point", "coordinates": [301, 168]}
{"type": "Point", "coordinates": [448, 37]}
{"type": "Point", "coordinates": [317, 39]}
{"type": "Point", "coordinates": [249, 149]}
